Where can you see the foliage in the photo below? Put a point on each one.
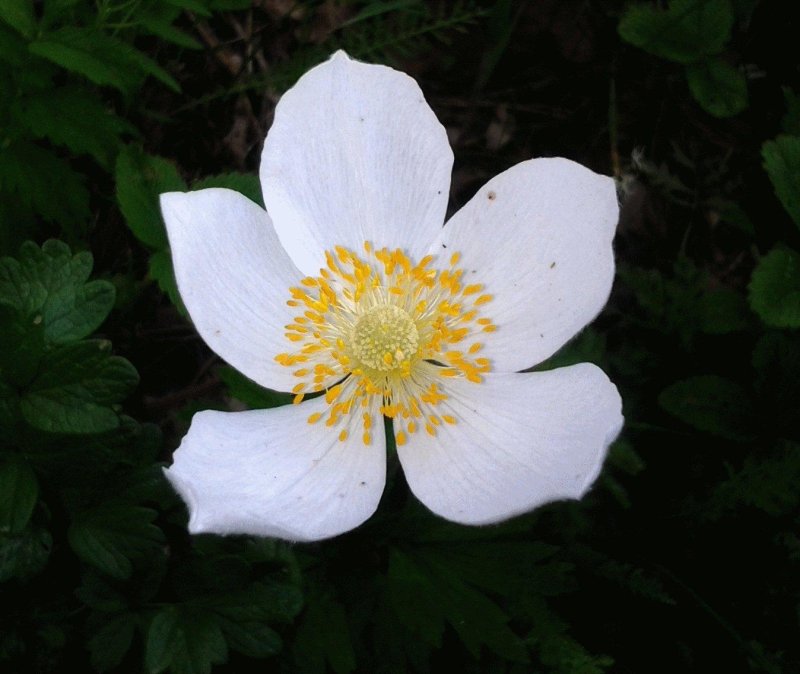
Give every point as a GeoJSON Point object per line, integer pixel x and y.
{"type": "Point", "coordinates": [683, 557]}
{"type": "Point", "coordinates": [693, 33]}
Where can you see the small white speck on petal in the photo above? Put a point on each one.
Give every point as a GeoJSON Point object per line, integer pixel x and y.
{"type": "Point", "coordinates": [551, 209]}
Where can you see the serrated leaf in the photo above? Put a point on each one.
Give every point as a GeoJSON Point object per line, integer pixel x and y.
{"type": "Point", "coordinates": [259, 602]}
{"type": "Point", "coordinates": [775, 288]}
{"type": "Point", "coordinates": [79, 51]}
{"type": "Point", "coordinates": [150, 67]}
{"type": "Point", "coordinates": [21, 345]}
{"type": "Point", "coordinates": [712, 404]}
{"type": "Point", "coordinates": [77, 386]}
{"type": "Point", "coordinates": [413, 599]}
{"type": "Point", "coordinates": [631, 578]}
{"type": "Point", "coordinates": [183, 641]}
{"type": "Point", "coordinates": [83, 123]}
{"type": "Point", "coordinates": [110, 639]}
{"type": "Point", "coordinates": [51, 283]}
{"type": "Point", "coordinates": [323, 638]}
{"type": "Point", "coordinates": [424, 593]}
{"type": "Point", "coordinates": [19, 15]}
{"type": "Point", "coordinates": [253, 639]}
{"type": "Point", "coordinates": [25, 554]}
{"type": "Point", "coordinates": [686, 32]}
{"type": "Point", "coordinates": [245, 183]}
{"type": "Point", "coordinates": [46, 183]}
{"type": "Point", "coordinates": [719, 88]}
{"type": "Point", "coordinates": [112, 536]}
{"type": "Point", "coordinates": [782, 162]}
{"type": "Point", "coordinates": [769, 482]}
{"type": "Point", "coordinates": [140, 179]}
{"type": "Point", "coordinates": [19, 491]}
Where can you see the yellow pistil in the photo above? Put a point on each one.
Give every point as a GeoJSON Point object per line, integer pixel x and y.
{"type": "Point", "coordinates": [381, 336]}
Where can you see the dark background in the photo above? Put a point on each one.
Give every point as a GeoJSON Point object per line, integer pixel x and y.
{"type": "Point", "coordinates": [683, 558]}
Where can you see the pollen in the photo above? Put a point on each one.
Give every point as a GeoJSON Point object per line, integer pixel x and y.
{"type": "Point", "coordinates": [383, 335]}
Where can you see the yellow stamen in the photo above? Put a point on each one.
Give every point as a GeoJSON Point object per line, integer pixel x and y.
{"type": "Point", "coordinates": [386, 330]}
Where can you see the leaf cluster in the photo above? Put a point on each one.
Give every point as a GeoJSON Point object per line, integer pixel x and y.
{"type": "Point", "coordinates": [69, 75]}
{"type": "Point", "coordinates": [694, 34]}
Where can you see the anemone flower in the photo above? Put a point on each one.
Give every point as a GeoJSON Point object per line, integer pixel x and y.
{"type": "Point", "coordinates": [348, 286]}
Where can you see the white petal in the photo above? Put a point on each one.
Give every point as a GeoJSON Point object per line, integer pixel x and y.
{"type": "Point", "coordinates": [521, 440]}
{"type": "Point", "coordinates": [234, 278]}
{"type": "Point", "coordinates": [271, 473]}
{"type": "Point", "coordinates": [355, 154]}
{"type": "Point", "coordinates": [538, 236]}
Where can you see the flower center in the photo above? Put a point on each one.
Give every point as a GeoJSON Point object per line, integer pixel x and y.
{"type": "Point", "coordinates": [384, 337]}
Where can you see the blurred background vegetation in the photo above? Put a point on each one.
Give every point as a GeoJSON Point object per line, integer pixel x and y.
{"type": "Point", "coordinates": [685, 555]}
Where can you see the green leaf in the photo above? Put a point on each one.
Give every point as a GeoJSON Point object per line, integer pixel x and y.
{"type": "Point", "coordinates": [245, 183]}
{"type": "Point", "coordinates": [86, 51]}
{"type": "Point", "coordinates": [775, 288]}
{"type": "Point", "coordinates": [76, 389]}
{"type": "Point", "coordinates": [197, 6]}
{"type": "Point", "coordinates": [39, 179]}
{"type": "Point", "coordinates": [723, 311]}
{"type": "Point", "coordinates": [719, 88]}
{"type": "Point", "coordinates": [250, 393]}
{"type": "Point", "coordinates": [166, 31]}
{"type": "Point", "coordinates": [624, 457]}
{"type": "Point", "coordinates": [140, 179]}
{"type": "Point", "coordinates": [83, 123]}
{"type": "Point", "coordinates": [686, 32]}
{"type": "Point", "coordinates": [25, 554]}
{"type": "Point", "coordinates": [19, 15]}
{"type": "Point", "coordinates": [790, 124]}
{"type": "Point", "coordinates": [98, 593]}
{"type": "Point", "coordinates": [184, 641]}
{"type": "Point", "coordinates": [633, 579]}
{"type": "Point", "coordinates": [19, 491]}
{"type": "Point", "coordinates": [733, 214]}
{"type": "Point", "coordinates": [245, 615]}
{"type": "Point", "coordinates": [782, 162]}
{"type": "Point", "coordinates": [769, 481]}
{"type": "Point", "coordinates": [424, 593]}
{"type": "Point", "coordinates": [111, 537]}
{"type": "Point", "coordinates": [52, 284]}
{"type": "Point", "coordinates": [111, 639]}
{"type": "Point", "coordinates": [712, 404]}
{"type": "Point", "coordinates": [163, 273]}
{"type": "Point", "coordinates": [150, 67]}
{"type": "Point", "coordinates": [323, 637]}
{"type": "Point", "coordinates": [21, 345]}
{"type": "Point", "coordinates": [9, 408]}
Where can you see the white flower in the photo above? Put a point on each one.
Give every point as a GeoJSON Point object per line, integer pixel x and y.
{"type": "Point", "coordinates": [348, 283]}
